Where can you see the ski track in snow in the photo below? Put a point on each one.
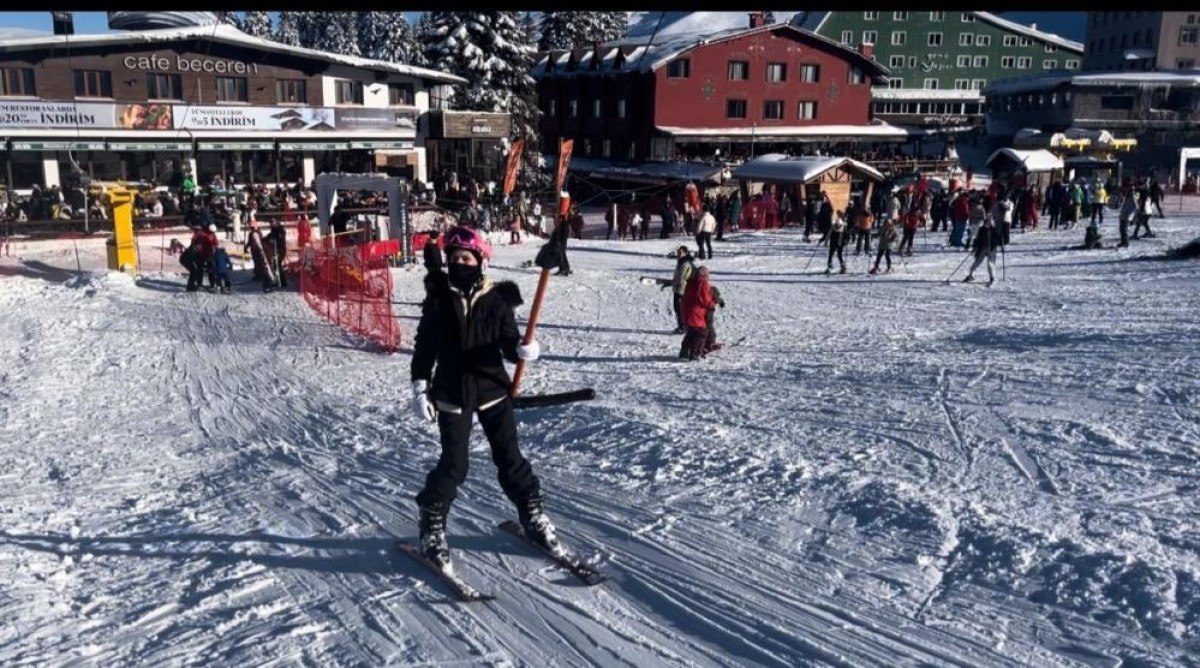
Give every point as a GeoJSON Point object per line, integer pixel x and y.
{"type": "Point", "coordinates": [888, 471]}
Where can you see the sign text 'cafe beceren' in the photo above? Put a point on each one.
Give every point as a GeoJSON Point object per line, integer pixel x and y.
{"type": "Point", "coordinates": [163, 64]}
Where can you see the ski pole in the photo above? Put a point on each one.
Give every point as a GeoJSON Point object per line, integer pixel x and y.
{"type": "Point", "coordinates": [810, 257]}
{"type": "Point", "coordinates": [1003, 265]}
{"type": "Point", "coordinates": [548, 258]}
{"type": "Point", "coordinates": [960, 264]}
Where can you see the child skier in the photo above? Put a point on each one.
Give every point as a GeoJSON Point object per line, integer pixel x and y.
{"type": "Point", "coordinates": [467, 330]}
{"type": "Point", "coordinates": [698, 300]}
{"type": "Point", "coordinates": [887, 234]}
{"type": "Point", "coordinates": [222, 270]}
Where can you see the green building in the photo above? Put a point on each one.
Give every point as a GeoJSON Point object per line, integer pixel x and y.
{"type": "Point", "coordinates": [940, 61]}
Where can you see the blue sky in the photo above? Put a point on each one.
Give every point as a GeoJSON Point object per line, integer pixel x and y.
{"type": "Point", "coordinates": [1071, 25]}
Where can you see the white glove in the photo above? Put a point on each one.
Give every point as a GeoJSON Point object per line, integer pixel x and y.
{"type": "Point", "coordinates": [529, 352]}
{"type": "Point", "coordinates": [421, 404]}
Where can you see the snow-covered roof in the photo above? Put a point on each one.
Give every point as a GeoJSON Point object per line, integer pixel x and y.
{"type": "Point", "coordinates": [221, 33]}
{"type": "Point", "coordinates": [696, 24]}
{"type": "Point", "coordinates": [780, 168]}
{"type": "Point", "coordinates": [814, 20]}
{"type": "Point", "coordinates": [1039, 160]}
{"type": "Point", "coordinates": [881, 130]}
{"type": "Point", "coordinates": [1037, 83]}
{"type": "Point", "coordinates": [880, 93]}
{"type": "Point", "coordinates": [654, 51]}
{"type": "Point", "coordinates": [7, 34]}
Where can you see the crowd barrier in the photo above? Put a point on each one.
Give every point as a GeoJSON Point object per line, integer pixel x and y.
{"type": "Point", "coordinates": [350, 284]}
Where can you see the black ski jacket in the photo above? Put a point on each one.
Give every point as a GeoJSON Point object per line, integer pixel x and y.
{"type": "Point", "coordinates": [462, 343]}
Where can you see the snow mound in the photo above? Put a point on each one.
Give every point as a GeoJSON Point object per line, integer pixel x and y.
{"type": "Point", "coordinates": [93, 282]}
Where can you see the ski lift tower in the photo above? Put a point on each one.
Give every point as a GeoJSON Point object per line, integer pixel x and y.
{"type": "Point", "coordinates": [398, 226]}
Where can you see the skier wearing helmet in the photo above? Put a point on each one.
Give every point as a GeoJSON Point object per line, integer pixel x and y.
{"type": "Point", "coordinates": [466, 332]}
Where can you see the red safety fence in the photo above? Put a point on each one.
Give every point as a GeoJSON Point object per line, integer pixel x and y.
{"type": "Point", "coordinates": [351, 286]}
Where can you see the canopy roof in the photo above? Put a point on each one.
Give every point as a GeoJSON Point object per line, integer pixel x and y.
{"type": "Point", "coordinates": [779, 168]}
{"type": "Point", "coordinates": [1040, 160]}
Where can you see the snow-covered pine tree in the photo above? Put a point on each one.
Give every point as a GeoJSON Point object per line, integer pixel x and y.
{"type": "Point", "coordinates": [226, 18]}
{"type": "Point", "coordinates": [574, 30]}
{"type": "Point", "coordinates": [257, 24]}
{"type": "Point", "coordinates": [769, 17]}
{"type": "Point", "coordinates": [385, 36]}
{"type": "Point", "coordinates": [289, 28]}
{"type": "Point", "coordinates": [612, 26]}
{"type": "Point", "coordinates": [530, 27]}
{"type": "Point", "coordinates": [332, 32]}
{"type": "Point", "coordinates": [491, 52]}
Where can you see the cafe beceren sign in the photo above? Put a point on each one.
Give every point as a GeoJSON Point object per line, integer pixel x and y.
{"type": "Point", "coordinates": [182, 64]}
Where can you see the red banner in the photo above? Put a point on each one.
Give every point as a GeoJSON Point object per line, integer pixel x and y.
{"type": "Point", "coordinates": [514, 162]}
{"type": "Point", "coordinates": [564, 157]}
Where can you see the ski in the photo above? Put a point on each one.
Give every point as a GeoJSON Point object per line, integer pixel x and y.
{"type": "Point", "coordinates": [541, 400]}
{"type": "Point", "coordinates": [586, 574]}
{"type": "Point", "coordinates": [465, 592]}
{"type": "Point", "coordinates": [650, 280]}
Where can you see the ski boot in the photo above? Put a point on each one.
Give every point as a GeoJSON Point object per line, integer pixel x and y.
{"type": "Point", "coordinates": [432, 527]}
{"type": "Point", "coordinates": [843, 269]}
{"type": "Point", "coordinates": [537, 526]}
{"type": "Point", "coordinates": [874, 270]}
{"type": "Point", "coordinates": [990, 281]}
{"type": "Point", "coordinates": [968, 279]}
{"type": "Point", "coordinates": [828, 270]}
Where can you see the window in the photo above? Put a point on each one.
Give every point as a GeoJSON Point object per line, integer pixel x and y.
{"type": "Point", "coordinates": [17, 81]}
{"type": "Point", "coordinates": [773, 110]}
{"type": "Point", "coordinates": [870, 36]}
{"type": "Point", "coordinates": [93, 83]}
{"type": "Point", "coordinates": [899, 37]}
{"type": "Point", "coordinates": [290, 91]}
{"type": "Point", "coordinates": [847, 36]}
{"type": "Point", "coordinates": [934, 39]}
{"type": "Point", "coordinates": [983, 40]}
{"type": "Point", "coordinates": [963, 61]}
{"type": "Point", "coordinates": [621, 108]}
{"type": "Point", "coordinates": [596, 108]}
{"type": "Point", "coordinates": [807, 110]}
{"type": "Point", "coordinates": [1025, 41]}
{"type": "Point", "coordinates": [912, 61]}
{"type": "Point", "coordinates": [1116, 102]}
{"type": "Point", "coordinates": [899, 16]}
{"type": "Point", "coordinates": [680, 68]}
{"type": "Point", "coordinates": [937, 16]}
{"type": "Point", "coordinates": [1049, 64]}
{"type": "Point", "coordinates": [1185, 64]}
{"type": "Point", "coordinates": [931, 84]}
{"type": "Point", "coordinates": [739, 70]}
{"type": "Point", "coordinates": [1008, 62]}
{"type": "Point", "coordinates": [980, 61]}
{"type": "Point", "coordinates": [966, 39]}
{"type": "Point", "coordinates": [1072, 64]}
{"type": "Point", "coordinates": [735, 109]}
{"type": "Point", "coordinates": [896, 61]}
{"type": "Point", "coordinates": [164, 87]}
{"type": "Point", "coordinates": [967, 17]}
{"type": "Point", "coordinates": [1010, 40]}
{"type": "Point", "coordinates": [1050, 48]}
{"type": "Point", "coordinates": [978, 84]}
{"type": "Point", "coordinates": [1024, 62]}
{"type": "Point", "coordinates": [1191, 19]}
{"type": "Point", "coordinates": [573, 108]}
{"type": "Point", "coordinates": [1187, 36]}
{"type": "Point", "coordinates": [896, 82]}
{"type": "Point", "coordinates": [962, 84]}
{"type": "Point", "coordinates": [810, 73]}
{"type": "Point", "coordinates": [870, 16]}
{"type": "Point", "coordinates": [348, 92]}
{"type": "Point", "coordinates": [401, 95]}
{"type": "Point", "coordinates": [777, 72]}
{"type": "Point", "coordinates": [856, 76]}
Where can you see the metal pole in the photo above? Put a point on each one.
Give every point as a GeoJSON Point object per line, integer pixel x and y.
{"type": "Point", "coordinates": [960, 264]}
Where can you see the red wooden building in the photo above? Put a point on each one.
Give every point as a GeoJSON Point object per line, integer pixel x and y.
{"type": "Point", "coordinates": [722, 95]}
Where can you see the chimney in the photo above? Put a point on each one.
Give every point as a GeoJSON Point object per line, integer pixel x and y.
{"type": "Point", "coordinates": [757, 19]}
{"type": "Point", "coordinates": [64, 23]}
{"type": "Point", "coordinates": [1033, 26]}
{"type": "Point", "coordinates": [867, 49]}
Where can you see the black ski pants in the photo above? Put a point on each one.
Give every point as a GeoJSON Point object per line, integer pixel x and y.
{"type": "Point", "coordinates": [906, 241]}
{"type": "Point", "coordinates": [679, 311]}
{"type": "Point", "coordinates": [835, 249]}
{"type": "Point", "coordinates": [885, 251]}
{"type": "Point", "coordinates": [704, 243]}
{"type": "Point", "coordinates": [500, 426]}
{"type": "Point", "coordinates": [862, 241]}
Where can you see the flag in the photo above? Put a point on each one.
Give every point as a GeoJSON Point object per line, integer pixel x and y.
{"type": "Point", "coordinates": [564, 157]}
{"type": "Point", "coordinates": [514, 163]}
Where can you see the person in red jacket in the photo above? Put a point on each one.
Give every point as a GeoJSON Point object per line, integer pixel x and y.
{"type": "Point", "coordinates": [912, 219]}
{"type": "Point", "coordinates": [204, 241]}
{"type": "Point", "coordinates": [698, 300]}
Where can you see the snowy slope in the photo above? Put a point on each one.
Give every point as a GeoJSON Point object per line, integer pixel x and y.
{"type": "Point", "coordinates": [888, 471]}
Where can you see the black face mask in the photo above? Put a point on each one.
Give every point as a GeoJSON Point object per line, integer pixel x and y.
{"type": "Point", "coordinates": [464, 276]}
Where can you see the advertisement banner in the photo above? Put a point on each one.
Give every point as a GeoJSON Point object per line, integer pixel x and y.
{"type": "Point", "coordinates": [564, 157]}
{"type": "Point", "coordinates": [375, 119]}
{"type": "Point", "coordinates": [14, 114]}
{"type": "Point", "coordinates": [514, 162]}
{"type": "Point", "coordinates": [197, 117]}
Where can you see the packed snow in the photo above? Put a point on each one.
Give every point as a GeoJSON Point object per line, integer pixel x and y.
{"type": "Point", "coordinates": [888, 470]}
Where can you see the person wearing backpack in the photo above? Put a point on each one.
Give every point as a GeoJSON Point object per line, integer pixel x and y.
{"type": "Point", "coordinates": [685, 266]}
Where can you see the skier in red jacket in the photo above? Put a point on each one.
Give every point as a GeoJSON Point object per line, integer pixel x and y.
{"type": "Point", "coordinates": [698, 300]}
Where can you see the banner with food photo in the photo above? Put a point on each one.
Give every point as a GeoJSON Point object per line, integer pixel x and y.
{"type": "Point", "coordinates": [144, 116]}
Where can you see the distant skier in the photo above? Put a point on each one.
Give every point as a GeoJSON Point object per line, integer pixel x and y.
{"type": "Point", "coordinates": [1129, 212]}
{"type": "Point", "coordinates": [467, 330]}
{"type": "Point", "coordinates": [276, 246]}
{"type": "Point", "coordinates": [837, 241]}
{"type": "Point", "coordinates": [710, 341]}
{"type": "Point", "coordinates": [1145, 210]}
{"type": "Point", "coordinates": [698, 299]}
{"type": "Point", "coordinates": [685, 266]}
{"type": "Point", "coordinates": [863, 222]}
{"type": "Point", "coordinates": [258, 254]}
{"type": "Point", "coordinates": [987, 240]}
{"type": "Point", "coordinates": [704, 233]}
{"type": "Point", "coordinates": [887, 234]}
{"type": "Point", "coordinates": [223, 270]}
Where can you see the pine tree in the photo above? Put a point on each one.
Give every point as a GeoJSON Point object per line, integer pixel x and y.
{"type": "Point", "coordinates": [612, 26]}
{"type": "Point", "coordinates": [769, 18]}
{"type": "Point", "coordinates": [491, 52]}
{"type": "Point", "coordinates": [574, 30]}
{"type": "Point", "coordinates": [289, 28]}
{"type": "Point", "coordinates": [332, 32]}
{"type": "Point", "coordinates": [257, 24]}
{"type": "Point", "coordinates": [530, 28]}
{"type": "Point", "coordinates": [385, 36]}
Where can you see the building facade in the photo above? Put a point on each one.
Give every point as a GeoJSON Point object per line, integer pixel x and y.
{"type": "Point", "coordinates": [142, 106]}
{"type": "Point", "coordinates": [1142, 41]}
{"type": "Point", "coordinates": [733, 92]}
{"type": "Point", "coordinates": [949, 56]}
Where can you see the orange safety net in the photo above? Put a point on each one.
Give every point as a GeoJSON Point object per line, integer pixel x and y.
{"type": "Point", "coordinates": [350, 284]}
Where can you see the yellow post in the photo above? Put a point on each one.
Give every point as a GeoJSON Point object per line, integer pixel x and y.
{"type": "Point", "coordinates": [122, 251]}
